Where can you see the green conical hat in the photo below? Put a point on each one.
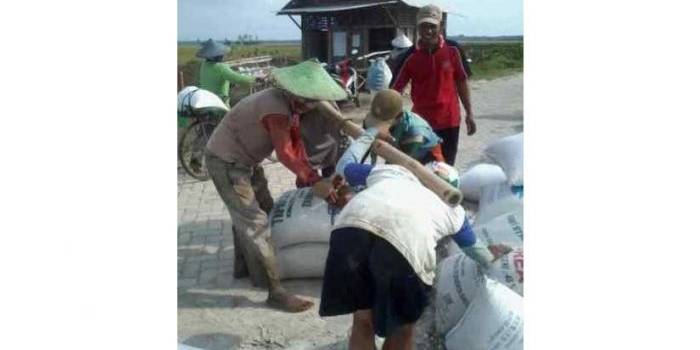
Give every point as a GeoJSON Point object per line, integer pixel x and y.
{"type": "Point", "coordinates": [211, 49]}
{"type": "Point", "coordinates": [308, 80]}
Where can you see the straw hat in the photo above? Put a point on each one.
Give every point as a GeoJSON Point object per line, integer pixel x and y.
{"type": "Point", "coordinates": [386, 105]}
{"type": "Point", "coordinates": [212, 49]}
{"type": "Point", "coordinates": [308, 80]}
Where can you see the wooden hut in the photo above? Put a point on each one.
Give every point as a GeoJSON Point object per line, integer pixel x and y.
{"type": "Point", "coordinates": [330, 29]}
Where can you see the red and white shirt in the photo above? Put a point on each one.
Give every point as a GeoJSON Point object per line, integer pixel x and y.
{"type": "Point", "coordinates": [434, 76]}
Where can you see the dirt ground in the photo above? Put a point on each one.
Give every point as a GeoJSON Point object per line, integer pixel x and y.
{"type": "Point", "coordinates": [237, 317]}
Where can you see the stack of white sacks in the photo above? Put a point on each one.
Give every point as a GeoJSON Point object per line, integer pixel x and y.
{"type": "Point", "coordinates": [476, 308]}
{"type": "Point", "coordinates": [300, 225]}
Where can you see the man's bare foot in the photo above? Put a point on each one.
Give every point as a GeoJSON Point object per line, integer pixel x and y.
{"type": "Point", "coordinates": [288, 302]}
{"type": "Point", "coordinates": [499, 250]}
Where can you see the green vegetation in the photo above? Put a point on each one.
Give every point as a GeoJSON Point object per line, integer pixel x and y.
{"type": "Point", "coordinates": [489, 59]}
{"type": "Point", "coordinates": [490, 39]}
{"type": "Point", "coordinates": [283, 55]}
{"type": "Point", "coordinates": [494, 59]}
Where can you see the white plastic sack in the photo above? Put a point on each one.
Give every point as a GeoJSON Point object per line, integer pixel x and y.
{"type": "Point", "coordinates": [493, 321]}
{"type": "Point", "coordinates": [300, 226]}
{"type": "Point", "coordinates": [459, 279]}
{"type": "Point", "coordinates": [478, 176]}
{"type": "Point", "coordinates": [306, 260]}
{"type": "Point", "coordinates": [506, 229]}
{"type": "Point", "coordinates": [194, 99]}
{"type": "Point", "coordinates": [501, 221]}
{"type": "Point", "coordinates": [509, 270]}
{"type": "Point", "coordinates": [300, 217]}
{"type": "Point", "coordinates": [508, 153]}
{"type": "Point", "coordinates": [378, 75]}
{"type": "Point", "coordinates": [496, 200]}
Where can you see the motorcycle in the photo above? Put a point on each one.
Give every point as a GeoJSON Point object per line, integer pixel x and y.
{"type": "Point", "coordinates": [346, 76]}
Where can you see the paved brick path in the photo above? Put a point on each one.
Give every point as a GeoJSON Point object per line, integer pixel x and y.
{"type": "Point", "coordinates": [205, 243]}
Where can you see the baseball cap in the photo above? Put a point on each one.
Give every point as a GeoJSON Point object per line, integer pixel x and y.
{"type": "Point", "coordinates": [386, 105]}
{"type": "Point", "coordinates": [429, 14]}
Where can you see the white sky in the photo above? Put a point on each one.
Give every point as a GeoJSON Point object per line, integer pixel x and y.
{"type": "Point", "coordinates": [219, 19]}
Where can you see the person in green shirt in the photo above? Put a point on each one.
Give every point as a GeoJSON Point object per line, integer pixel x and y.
{"type": "Point", "coordinates": [216, 76]}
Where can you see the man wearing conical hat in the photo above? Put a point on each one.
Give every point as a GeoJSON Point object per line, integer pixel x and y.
{"type": "Point", "coordinates": [399, 46]}
{"type": "Point", "coordinates": [256, 126]}
{"type": "Point", "coordinates": [216, 76]}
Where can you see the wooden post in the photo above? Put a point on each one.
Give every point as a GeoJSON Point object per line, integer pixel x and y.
{"type": "Point", "coordinates": [445, 191]}
{"type": "Point", "coordinates": [388, 13]}
{"type": "Point", "coordinates": [180, 80]}
{"type": "Point", "coordinates": [295, 21]}
{"type": "Point", "coordinates": [365, 41]}
{"type": "Point", "coordinates": [329, 51]}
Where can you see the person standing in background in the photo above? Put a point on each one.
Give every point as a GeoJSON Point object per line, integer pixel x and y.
{"type": "Point", "coordinates": [216, 76]}
{"type": "Point", "coordinates": [399, 47]}
{"type": "Point", "coordinates": [439, 80]}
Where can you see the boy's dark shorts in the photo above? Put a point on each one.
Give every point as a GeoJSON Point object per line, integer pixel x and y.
{"type": "Point", "coordinates": [364, 271]}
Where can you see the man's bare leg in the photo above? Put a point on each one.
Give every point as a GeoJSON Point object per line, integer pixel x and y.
{"type": "Point", "coordinates": [362, 333]}
{"type": "Point", "coordinates": [277, 296]}
{"type": "Point", "coordinates": [235, 187]}
{"type": "Point", "coordinates": [401, 339]}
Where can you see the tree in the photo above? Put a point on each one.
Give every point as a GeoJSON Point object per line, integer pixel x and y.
{"type": "Point", "coordinates": [247, 39]}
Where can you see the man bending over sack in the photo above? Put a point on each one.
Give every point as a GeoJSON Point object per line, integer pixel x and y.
{"type": "Point", "coordinates": [411, 133]}
{"type": "Point", "coordinates": [257, 125]}
{"type": "Point", "coordinates": [381, 262]}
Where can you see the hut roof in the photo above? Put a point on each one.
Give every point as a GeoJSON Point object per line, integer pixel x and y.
{"type": "Point", "coordinates": [297, 7]}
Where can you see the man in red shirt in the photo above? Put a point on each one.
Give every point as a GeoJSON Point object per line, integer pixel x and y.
{"type": "Point", "coordinates": [438, 77]}
{"type": "Point", "coordinates": [256, 126]}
